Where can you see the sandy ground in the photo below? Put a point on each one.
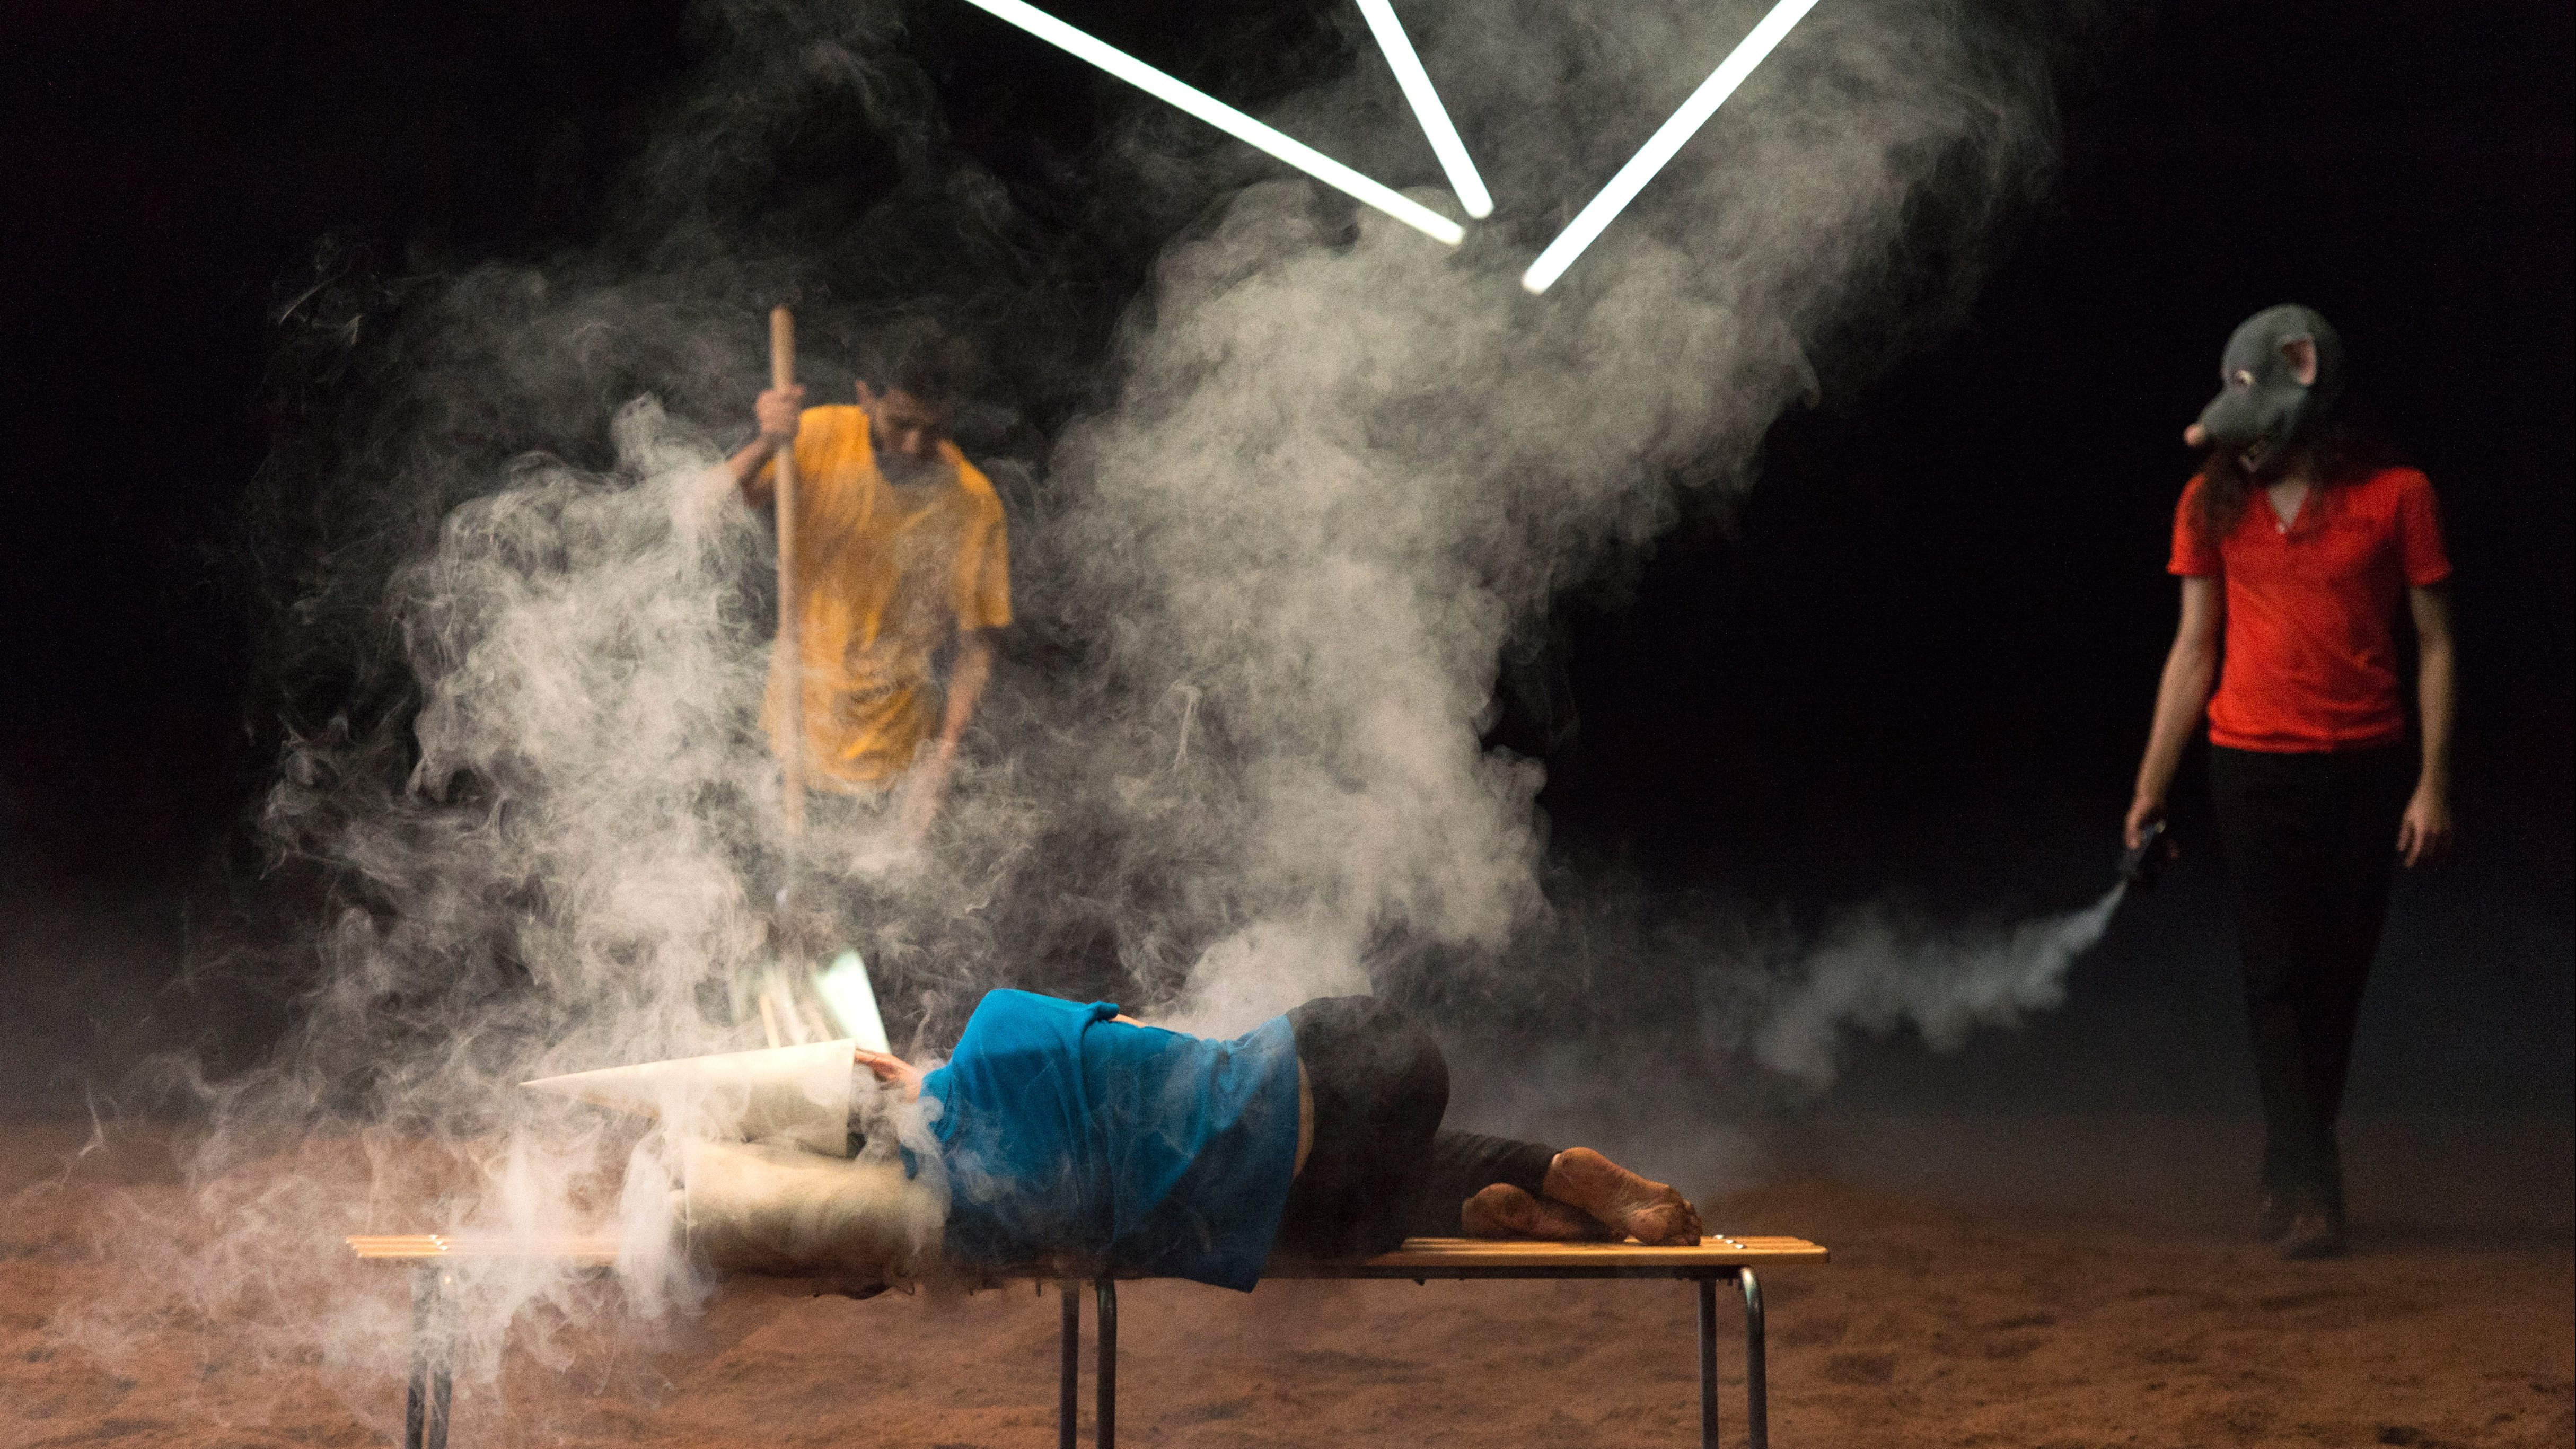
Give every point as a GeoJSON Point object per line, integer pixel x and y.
{"type": "Point", "coordinates": [1937, 1323]}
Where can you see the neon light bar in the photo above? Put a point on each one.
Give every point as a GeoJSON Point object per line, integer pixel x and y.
{"type": "Point", "coordinates": [1225, 118]}
{"type": "Point", "coordinates": [1659, 148]}
{"type": "Point", "coordinates": [1426, 109]}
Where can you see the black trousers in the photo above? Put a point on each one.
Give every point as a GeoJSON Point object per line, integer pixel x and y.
{"type": "Point", "coordinates": [1380, 1170]}
{"type": "Point", "coordinates": [2310, 841]}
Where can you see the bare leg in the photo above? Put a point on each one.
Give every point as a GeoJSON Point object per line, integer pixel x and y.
{"type": "Point", "coordinates": [1505, 1211]}
{"type": "Point", "coordinates": [1631, 1206]}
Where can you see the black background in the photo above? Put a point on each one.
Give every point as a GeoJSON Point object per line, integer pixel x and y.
{"type": "Point", "coordinates": [1917, 659]}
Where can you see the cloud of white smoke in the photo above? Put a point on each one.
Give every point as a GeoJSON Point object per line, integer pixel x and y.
{"type": "Point", "coordinates": [1233, 757]}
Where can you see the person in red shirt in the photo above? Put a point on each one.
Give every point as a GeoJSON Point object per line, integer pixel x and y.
{"type": "Point", "coordinates": [2295, 555]}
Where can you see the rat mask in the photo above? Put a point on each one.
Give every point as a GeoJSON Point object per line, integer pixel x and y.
{"type": "Point", "coordinates": [2280, 376]}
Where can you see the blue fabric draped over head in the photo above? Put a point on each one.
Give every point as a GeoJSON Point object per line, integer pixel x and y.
{"type": "Point", "coordinates": [1069, 1135]}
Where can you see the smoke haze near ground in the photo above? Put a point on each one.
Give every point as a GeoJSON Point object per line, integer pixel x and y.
{"type": "Point", "coordinates": [1318, 477]}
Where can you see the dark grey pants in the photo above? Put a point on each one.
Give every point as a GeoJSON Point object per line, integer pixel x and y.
{"type": "Point", "coordinates": [2310, 841]}
{"type": "Point", "coordinates": [1380, 1169]}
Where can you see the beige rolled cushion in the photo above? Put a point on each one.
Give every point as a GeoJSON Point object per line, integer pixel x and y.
{"type": "Point", "coordinates": [762, 1208]}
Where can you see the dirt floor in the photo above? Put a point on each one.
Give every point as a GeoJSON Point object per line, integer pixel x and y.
{"type": "Point", "coordinates": [1933, 1325]}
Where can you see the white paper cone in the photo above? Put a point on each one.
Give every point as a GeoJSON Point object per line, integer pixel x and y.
{"type": "Point", "coordinates": [852, 999]}
{"type": "Point", "coordinates": [798, 1094]}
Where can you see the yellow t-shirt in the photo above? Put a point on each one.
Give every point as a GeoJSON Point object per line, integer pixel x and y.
{"type": "Point", "coordinates": [882, 574]}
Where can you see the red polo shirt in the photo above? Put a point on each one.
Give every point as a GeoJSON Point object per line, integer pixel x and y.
{"type": "Point", "coordinates": [2311, 652]}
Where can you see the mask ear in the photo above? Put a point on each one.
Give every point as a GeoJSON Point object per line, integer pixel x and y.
{"type": "Point", "coordinates": [2301, 354]}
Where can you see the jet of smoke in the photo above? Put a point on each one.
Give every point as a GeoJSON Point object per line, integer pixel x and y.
{"type": "Point", "coordinates": [1874, 973]}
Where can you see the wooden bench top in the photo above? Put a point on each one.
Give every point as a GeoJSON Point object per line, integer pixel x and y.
{"type": "Point", "coordinates": [1498, 1257]}
{"type": "Point", "coordinates": [582, 1248]}
{"type": "Point", "coordinates": [1418, 1258]}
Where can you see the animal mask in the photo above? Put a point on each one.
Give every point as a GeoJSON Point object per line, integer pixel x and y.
{"type": "Point", "coordinates": [2280, 376]}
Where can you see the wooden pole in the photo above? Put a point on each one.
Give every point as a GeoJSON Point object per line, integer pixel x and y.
{"type": "Point", "coordinates": [791, 639]}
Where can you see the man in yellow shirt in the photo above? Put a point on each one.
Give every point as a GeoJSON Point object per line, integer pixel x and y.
{"type": "Point", "coordinates": [899, 549]}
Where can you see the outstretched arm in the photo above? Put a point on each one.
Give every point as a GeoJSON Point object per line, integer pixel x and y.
{"type": "Point", "coordinates": [2426, 829]}
{"type": "Point", "coordinates": [890, 1070]}
{"type": "Point", "coordinates": [2191, 669]}
{"type": "Point", "coordinates": [966, 680]}
{"type": "Point", "coordinates": [974, 668]}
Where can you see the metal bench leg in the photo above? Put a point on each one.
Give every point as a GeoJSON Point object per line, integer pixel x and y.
{"type": "Point", "coordinates": [1106, 1434]}
{"type": "Point", "coordinates": [424, 1287]}
{"type": "Point", "coordinates": [1757, 1408]}
{"type": "Point", "coordinates": [442, 1369]}
{"type": "Point", "coordinates": [1707, 1288]}
{"type": "Point", "coordinates": [427, 1396]}
{"type": "Point", "coordinates": [1069, 1382]}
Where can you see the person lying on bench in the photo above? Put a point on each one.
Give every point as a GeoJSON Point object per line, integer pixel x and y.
{"type": "Point", "coordinates": [1070, 1133]}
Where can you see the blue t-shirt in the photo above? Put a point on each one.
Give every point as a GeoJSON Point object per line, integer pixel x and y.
{"type": "Point", "coordinates": [1067, 1133]}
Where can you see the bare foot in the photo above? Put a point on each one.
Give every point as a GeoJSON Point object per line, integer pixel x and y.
{"type": "Point", "coordinates": [1505, 1211]}
{"type": "Point", "coordinates": [1632, 1206]}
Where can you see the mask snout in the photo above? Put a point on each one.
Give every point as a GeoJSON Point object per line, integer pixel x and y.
{"type": "Point", "coordinates": [2232, 420]}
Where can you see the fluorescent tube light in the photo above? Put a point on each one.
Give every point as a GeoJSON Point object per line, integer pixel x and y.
{"type": "Point", "coordinates": [1659, 148]}
{"type": "Point", "coordinates": [1426, 109]}
{"type": "Point", "coordinates": [1225, 118]}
